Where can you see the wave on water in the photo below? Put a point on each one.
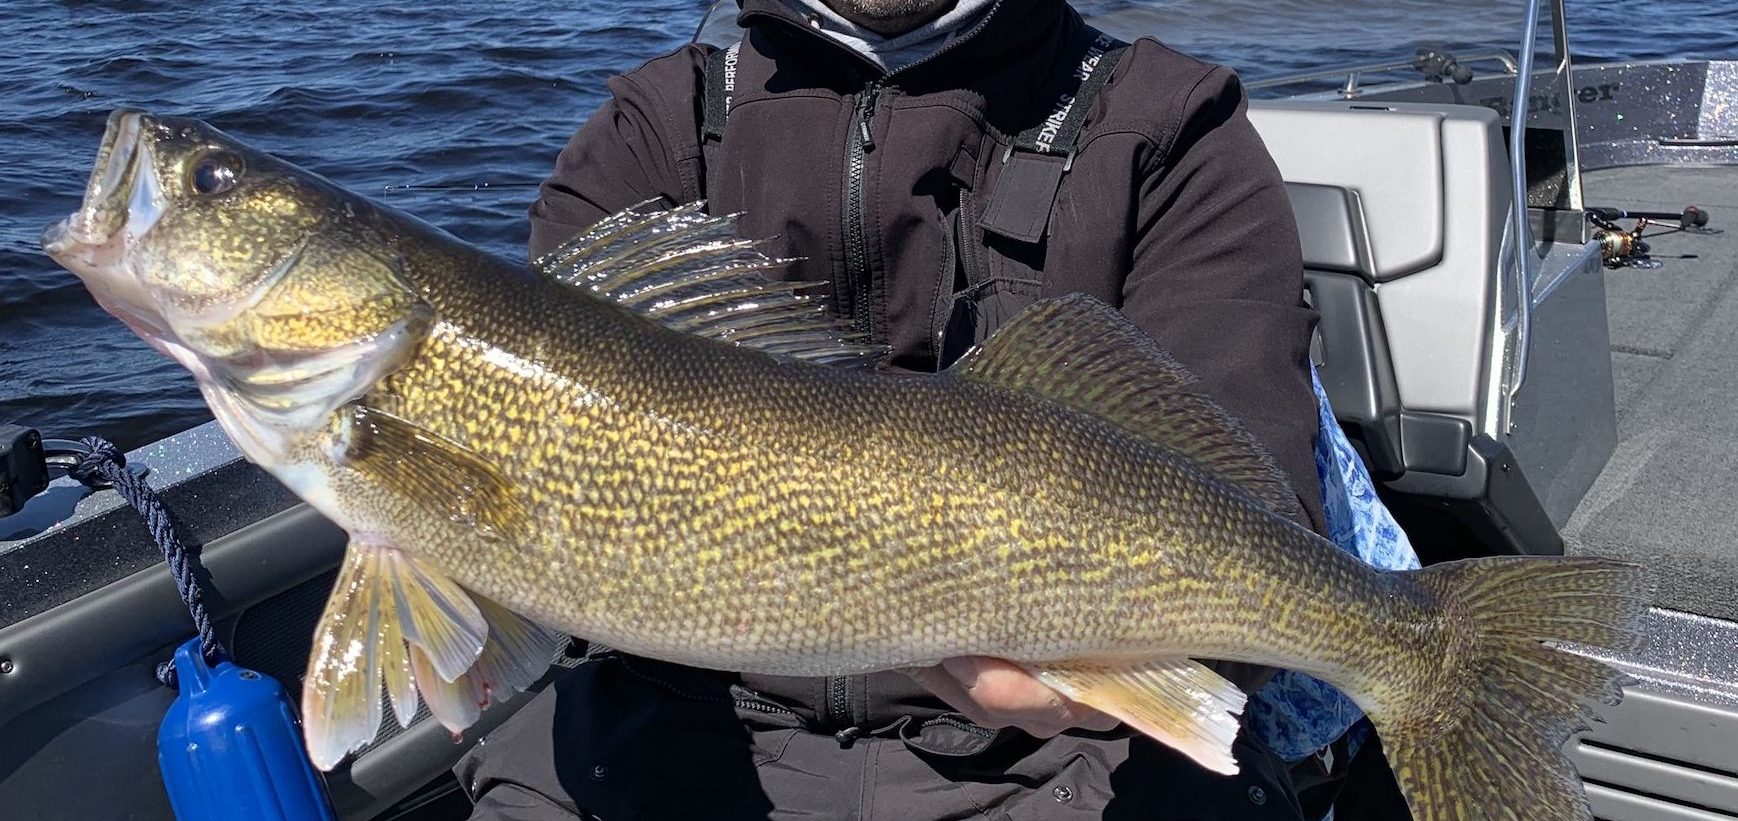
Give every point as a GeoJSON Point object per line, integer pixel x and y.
{"type": "Point", "coordinates": [452, 110]}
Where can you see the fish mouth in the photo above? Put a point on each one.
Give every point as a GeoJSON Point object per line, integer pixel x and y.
{"type": "Point", "coordinates": [122, 201]}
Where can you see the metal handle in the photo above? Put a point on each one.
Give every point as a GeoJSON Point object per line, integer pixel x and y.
{"type": "Point", "coordinates": [1521, 229]}
{"type": "Point", "coordinates": [1352, 86]}
{"type": "Point", "coordinates": [706, 18]}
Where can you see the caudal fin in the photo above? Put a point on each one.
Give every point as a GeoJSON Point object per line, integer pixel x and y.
{"type": "Point", "coordinates": [1492, 747]}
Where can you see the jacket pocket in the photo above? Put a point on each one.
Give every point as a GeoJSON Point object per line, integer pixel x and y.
{"type": "Point", "coordinates": [640, 740]}
{"type": "Point", "coordinates": [972, 302]}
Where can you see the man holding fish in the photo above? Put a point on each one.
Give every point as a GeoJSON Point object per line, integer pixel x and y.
{"type": "Point", "coordinates": [831, 591]}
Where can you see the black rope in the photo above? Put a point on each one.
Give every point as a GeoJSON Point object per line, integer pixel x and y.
{"type": "Point", "coordinates": [106, 463]}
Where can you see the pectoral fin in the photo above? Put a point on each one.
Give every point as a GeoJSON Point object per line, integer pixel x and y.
{"type": "Point", "coordinates": [392, 619]}
{"type": "Point", "coordinates": [1176, 701]}
{"type": "Point", "coordinates": [444, 477]}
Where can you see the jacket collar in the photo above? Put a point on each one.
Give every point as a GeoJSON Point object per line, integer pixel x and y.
{"type": "Point", "coordinates": [1007, 31]}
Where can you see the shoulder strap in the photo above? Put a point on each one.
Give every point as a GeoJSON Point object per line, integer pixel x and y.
{"type": "Point", "coordinates": [1033, 166]}
{"type": "Point", "coordinates": [720, 87]}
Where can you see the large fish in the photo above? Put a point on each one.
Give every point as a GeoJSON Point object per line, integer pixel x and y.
{"type": "Point", "coordinates": [641, 441]}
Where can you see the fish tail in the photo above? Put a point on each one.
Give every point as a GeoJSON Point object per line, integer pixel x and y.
{"type": "Point", "coordinates": [1487, 741]}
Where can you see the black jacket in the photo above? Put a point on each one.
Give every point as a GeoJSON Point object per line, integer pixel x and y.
{"type": "Point", "coordinates": [1171, 210]}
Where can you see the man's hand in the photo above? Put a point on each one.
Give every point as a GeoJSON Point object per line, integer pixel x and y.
{"type": "Point", "coordinates": [995, 693]}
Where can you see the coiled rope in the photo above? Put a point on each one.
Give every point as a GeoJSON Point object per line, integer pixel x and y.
{"type": "Point", "coordinates": [105, 464]}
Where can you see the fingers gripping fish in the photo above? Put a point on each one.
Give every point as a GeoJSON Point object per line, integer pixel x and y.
{"type": "Point", "coordinates": [643, 441]}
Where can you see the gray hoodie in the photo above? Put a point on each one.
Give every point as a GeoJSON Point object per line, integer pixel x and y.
{"type": "Point", "coordinates": [900, 50]}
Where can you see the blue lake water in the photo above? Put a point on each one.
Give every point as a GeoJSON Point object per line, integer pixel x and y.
{"type": "Point", "coordinates": [453, 109]}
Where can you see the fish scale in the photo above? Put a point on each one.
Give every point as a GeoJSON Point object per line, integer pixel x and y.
{"type": "Point", "coordinates": [756, 463]}
{"type": "Point", "coordinates": [642, 441]}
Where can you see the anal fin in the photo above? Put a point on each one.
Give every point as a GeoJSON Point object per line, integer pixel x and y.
{"type": "Point", "coordinates": [1179, 702]}
{"type": "Point", "coordinates": [393, 620]}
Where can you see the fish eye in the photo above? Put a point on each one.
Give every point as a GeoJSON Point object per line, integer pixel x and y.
{"type": "Point", "coordinates": [215, 173]}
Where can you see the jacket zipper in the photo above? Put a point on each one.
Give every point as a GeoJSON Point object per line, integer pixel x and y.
{"type": "Point", "coordinates": [836, 706]}
{"type": "Point", "coordinates": [858, 283]}
{"type": "Point", "coordinates": [679, 692]}
{"type": "Point", "coordinates": [858, 288]}
{"type": "Point", "coordinates": [963, 236]}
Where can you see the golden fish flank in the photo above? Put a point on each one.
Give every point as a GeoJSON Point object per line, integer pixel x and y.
{"type": "Point", "coordinates": [642, 441]}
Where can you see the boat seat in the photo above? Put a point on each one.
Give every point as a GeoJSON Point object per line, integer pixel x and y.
{"type": "Point", "coordinates": [1401, 210]}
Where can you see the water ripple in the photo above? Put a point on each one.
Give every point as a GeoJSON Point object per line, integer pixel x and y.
{"type": "Point", "coordinates": [454, 93]}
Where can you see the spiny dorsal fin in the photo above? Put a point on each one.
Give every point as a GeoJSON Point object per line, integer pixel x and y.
{"type": "Point", "coordinates": [695, 273]}
{"type": "Point", "coordinates": [1081, 352]}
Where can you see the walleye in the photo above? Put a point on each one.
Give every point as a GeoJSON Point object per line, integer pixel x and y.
{"type": "Point", "coordinates": [643, 441]}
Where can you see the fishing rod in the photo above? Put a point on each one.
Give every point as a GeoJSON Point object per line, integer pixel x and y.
{"type": "Point", "coordinates": [1628, 248]}
{"type": "Point", "coordinates": [459, 186]}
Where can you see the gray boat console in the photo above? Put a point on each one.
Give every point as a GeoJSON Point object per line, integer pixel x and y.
{"type": "Point", "coordinates": [1404, 213]}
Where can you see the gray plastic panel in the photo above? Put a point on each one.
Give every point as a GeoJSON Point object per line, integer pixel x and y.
{"type": "Point", "coordinates": [82, 684]}
{"type": "Point", "coordinates": [1354, 367]}
{"type": "Point", "coordinates": [69, 541]}
{"type": "Point", "coordinates": [83, 646]}
{"type": "Point", "coordinates": [57, 651]}
{"type": "Point", "coordinates": [1392, 157]}
{"type": "Point", "coordinates": [1673, 728]}
{"type": "Point", "coordinates": [1648, 776]}
{"type": "Point", "coordinates": [1330, 223]}
{"type": "Point", "coordinates": [1670, 749]}
{"type": "Point", "coordinates": [1613, 805]}
{"type": "Point", "coordinates": [1435, 443]}
{"type": "Point", "coordinates": [1432, 181]}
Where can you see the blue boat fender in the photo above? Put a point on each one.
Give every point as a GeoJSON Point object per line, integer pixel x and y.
{"type": "Point", "coordinates": [230, 747]}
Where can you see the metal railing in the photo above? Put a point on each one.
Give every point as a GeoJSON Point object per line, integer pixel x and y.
{"type": "Point", "coordinates": [1352, 84]}
{"type": "Point", "coordinates": [1524, 262]}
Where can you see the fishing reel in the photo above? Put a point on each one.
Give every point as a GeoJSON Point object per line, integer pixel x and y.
{"type": "Point", "coordinates": [1628, 248]}
{"type": "Point", "coordinates": [1440, 66]}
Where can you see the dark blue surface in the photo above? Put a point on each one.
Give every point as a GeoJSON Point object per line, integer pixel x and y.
{"type": "Point", "coordinates": [452, 92]}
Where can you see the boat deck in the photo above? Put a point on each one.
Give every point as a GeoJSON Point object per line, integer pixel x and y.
{"type": "Point", "coordinates": [1669, 497]}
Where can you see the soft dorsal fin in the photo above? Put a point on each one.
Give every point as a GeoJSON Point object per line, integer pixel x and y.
{"type": "Point", "coordinates": [695, 273]}
{"type": "Point", "coordinates": [1081, 352]}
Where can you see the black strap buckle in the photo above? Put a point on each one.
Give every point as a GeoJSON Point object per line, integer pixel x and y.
{"type": "Point", "coordinates": [1067, 160]}
{"type": "Point", "coordinates": [23, 467]}
{"type": "Point", "coordinates": [1035, 162]}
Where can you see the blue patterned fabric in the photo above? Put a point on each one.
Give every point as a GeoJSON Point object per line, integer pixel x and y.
{"type": "Point", "coordinates": [1295, 714]}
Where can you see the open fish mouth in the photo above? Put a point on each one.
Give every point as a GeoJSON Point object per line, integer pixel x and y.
{"type": "Point", "coordinates": [104, 209]}
{"type": "Point", "coordinates": [122, 201]}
